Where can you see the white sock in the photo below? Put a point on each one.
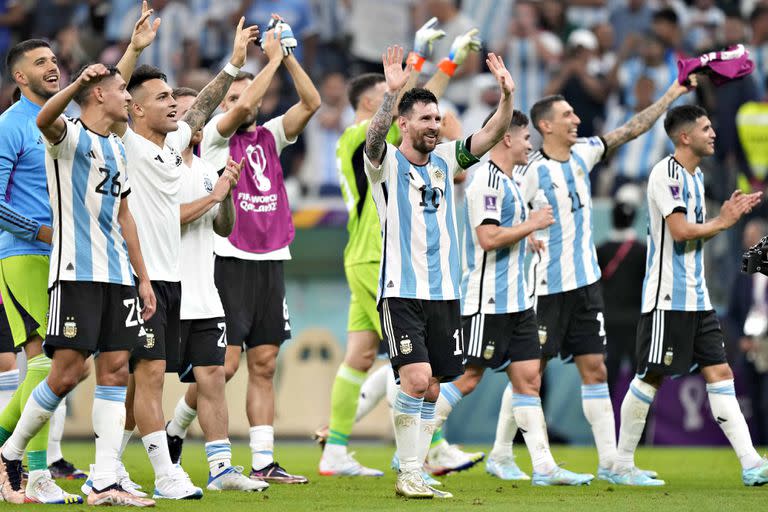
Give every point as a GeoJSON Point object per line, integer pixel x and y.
{"type": "Point", "coordinates": [634, 411]}
{"type": "Point", "coordinates": [406, 413]}
{"type": "Point", "coordinates": [108, 423]}
{"type": "Point", "coordinates": [530, 420]}
{"type": "Point", "coordinates": [127, 434]}
{"type": "Point", "coordinates": [262, 446]}
{"type": "Point", "coordinates": [725, 409]}
{"type": "Point", "coordinates": [596, 402]}
{"type": "Point", "coordinates": [506, 427]}
{"type": "Point", "coordinates": [9, 383]}
{"type": "Point", "coordinates": [426, 429]}
{"type": "Point", "coordinates": [183, 416]}
{"type": "Point", "coordinates": [373, 390]}
{"type": "Point", "coordinates": [449, 397]}
{"type": "Point", "coordinates": [37, 411]}
{"type": "Point", "coordinates": [156, 445]}
{"type": "Point", "coordinates": [219, 455]}
{"type": "Point", "coordinates": [56, 432]}
{"type": "Point", "coordinates": [393, 388]}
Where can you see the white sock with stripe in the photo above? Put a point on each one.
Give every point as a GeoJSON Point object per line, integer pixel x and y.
{"type": "Point", "coordinates": [426, 429]}
{"type": "Point", "coordinates": [108, 418]}
{"type": "Point", "coordinates": [37, 411]}
{"type": "Point", "coordinates": [598, 409]}
{"type": "Point", "coordinates": [262, 443]}
{"type": "Point", "coordinates": [219, 455]}
{"type": "Point", "coordinates": [530, 421]}
{"type": "Point", "coordinates": [9, 383]}
{"type": "Point", "coordinates": [406, 414]}
{"type": "Point", "coordinates": [725, 409]}
{"type": "Point", "coordinates": [449, 397]}
{"type": "Point", "coordinates": [506, 427]}
{"type": "Point", "coordinates": [156, 445]}
{"type": "Point", "coordinates": [634, 411]}
{"type": "Point", "coordinates": [56, 432]}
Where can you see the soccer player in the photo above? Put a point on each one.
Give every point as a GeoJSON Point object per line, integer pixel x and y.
{"type": "Point", "coordinates": [154, 143]}
{"type": "Point", "coordinates": [569, 303]}
{"type": "Point", "coordinates": [678, 330]}
{"type": "Point", "coordinates": [419, 278]}
{"type": "Point", "coordinates": [25, 232]}
{"type": "Point", "coordinates": [94, 308]}
{"type": "Point", "coordinates": [207, 208]}
{"type": "Point", "coordinates": [362, 255]}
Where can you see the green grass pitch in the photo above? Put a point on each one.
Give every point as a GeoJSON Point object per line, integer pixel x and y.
{"type": "Point", "coordinates": [700, 479]}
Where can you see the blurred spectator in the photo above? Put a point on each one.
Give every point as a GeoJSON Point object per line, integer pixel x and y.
{"type": "Point", "coordinates": [454, 23]}
{"type": "Point", "coordinates": [622, 263]}
{"type": "Point", "coordinates": [483, 99]}
{"type": "Point", "coordinates": [214, 27]}
{"type": "Point", "coordinates": [69, 52]}
{"type": "Point", "coordinates": [332, 52]}
{"type": "Point", "coordinates": [47, 17]}
{"type": "Point", "coordinates": [12, 15]}
{"type": "Point", "coordinates": [491, 17]}
{"type": "Point", "coordinates": [665, 23]}
{"type": "Point", "coordinates": [319, 174]}
{"type": "Point", "coordinates": [654, 62]}
{"type": "Point", "coordinates": [373, 25]}
{"type": "Point", "coordinates": [634, 17]}
{"type": "Point", "coordinates": [758, 45]}
{"type": "Point", "coordinates": [747, 322]}
{"type": "Point", "coordinates": [704, 21]}
{"type": "Point", "coordinates": [605, 58]}
{"type": "Point", "coordinates": [633, 161]}
{"type": "Point", "coordinates": [587, 13]}
{"type": "Point", "coordinates": [554, 20]}
{"type": "Point", "coordinates": [578, 81]}
{"type": "Point", "coordinates": [530, 55]}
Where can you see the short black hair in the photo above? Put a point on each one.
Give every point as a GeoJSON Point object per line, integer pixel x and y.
{"type": "Point", "coordinates": [82, 94]}
{"type": "Point", "coordinates": [181, 92]}
{"type": "Point", "coordinates": [667, 14]}
{"type": "Point", "coordinates": [519, 120]}
{"type": "Point", "coordinates": [360, 85]}
{"type": "Point", "coordinates": [681, 116]}
{"type": "Point", "coordinates": [542, 108]}
{"type": "Point", "coordinates": [413, 96]}
{"type": "Point", "coordinates": [145, 73]}
{"type": "Point", "coordinates": [244, 75]}
{"type": "Point", "coordinates": [18, 51]}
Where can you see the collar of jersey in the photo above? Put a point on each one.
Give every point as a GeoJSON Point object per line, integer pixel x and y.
{"type": "Point", "coordinates": [553, 159]}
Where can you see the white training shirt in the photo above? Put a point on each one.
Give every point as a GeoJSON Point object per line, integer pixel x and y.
{"type": "Point", "coordinates": [569, 260]}
{"type": "Point", "coordinates": [674, 272]}
{"type": "Point", "coordinates": [420, 258]}
{"type": "Point", "coordinates": [200, 299]}
{"type": "Point", "coordinates": [493, 282]}
{"type": "Point", "coordinates": [87, 179]}
{"type": "Point", "coordinates": [156, 179]}
{"type": "Point", "coordinates": [215, 149]}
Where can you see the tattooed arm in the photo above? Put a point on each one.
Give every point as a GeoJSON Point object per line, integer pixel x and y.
{"type": "Point", "coordinates": [642, 122]}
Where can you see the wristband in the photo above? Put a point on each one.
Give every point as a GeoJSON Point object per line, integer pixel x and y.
{"type": "Point", "coordinates": [415, 59]}
{"type": "Point", "coordinates": [231, 70]}
{"type": "Point", "coordinates": [447, 66]}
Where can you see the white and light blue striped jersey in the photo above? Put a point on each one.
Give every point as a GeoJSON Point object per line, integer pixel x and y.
{"type": "Point", "coordinates": [570, 258]}
{"type": "Point", "coordinates": [635, 159]}
{"type": "Point", "coordinates": [420, 249]}
{"type": "Point", "coordinates": [86, 181]}
{"type": "Point", "coordinates": [674, 271]}
{"type": "Point", "coordinates": [532, 72]}
{"type": "Point", "coordinates": [493, 282]}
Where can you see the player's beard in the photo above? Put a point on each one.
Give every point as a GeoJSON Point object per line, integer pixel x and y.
{"type": "Point", "coordinates": [422, 146]}
{"type": "Point", "coordinates": [248, 122]}
{"type": "Point", "coordinates": [41, 91]}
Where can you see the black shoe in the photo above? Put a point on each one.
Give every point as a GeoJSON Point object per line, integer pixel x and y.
{"type": "Point", "coordinates": [175, 445]}
{"type": "Point", "coordinates": [62, 468]}
{"type": "Point", "coordinates": [14, 472]}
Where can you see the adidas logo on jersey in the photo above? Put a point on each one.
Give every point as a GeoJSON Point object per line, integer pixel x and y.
{"type": "Point", "coordinates": [91, 154]}
{"type": "Point", "coordinates": [390, 284]}
{"type": "Point", "coordinates": [667, 297]}
{"type": "Point", "coordinates": [159, 159]}
{"type": "Point", "coordinates": [491, 301]}
{"type": "Point", "coordinates": [40, 140]}
{"type": "Point", "coordinates": [70, 266]}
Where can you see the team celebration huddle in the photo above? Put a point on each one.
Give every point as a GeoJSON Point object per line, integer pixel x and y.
{"type": "Point", "coordinates": [150, 231]}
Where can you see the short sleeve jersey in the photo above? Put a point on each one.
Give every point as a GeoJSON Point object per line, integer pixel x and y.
{"type": "Point", "coordinates": [674, 276]}
{"type": "Point", "coordinates": [570, 258]}
{"type": "Point", "coordinates": [420, 255]}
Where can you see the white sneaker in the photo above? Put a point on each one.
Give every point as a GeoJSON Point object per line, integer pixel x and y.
{"type": "Point", "coordinates": [123, 480]}
{"type": "Point", "coordinates": [345, 466]}
{"type": "Point", "coordinates": [410, 485]}
{"type": "Point", "coordinates": [42, 489]}
{"type": "Point", "coordinates": [447, 458]}
{"type": "Point", "coordinates": [176, 485]}
{"type": "Point", "coordinates": [233, 479]}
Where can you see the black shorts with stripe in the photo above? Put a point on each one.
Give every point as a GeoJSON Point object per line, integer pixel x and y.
{"type": "Point", "coordinates": [203, 343]}
{"type": "Point", "coordinates": [93, 317]}
{"type": "Point", "coordinates": [423, 331]}
{"type": "Point", "coordinates": [495, 341]}
{"type": "Point", "coordinates": [678, 342]}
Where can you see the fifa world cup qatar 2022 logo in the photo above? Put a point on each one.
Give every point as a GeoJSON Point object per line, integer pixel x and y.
{"type": "Point", "coordinates": [258, 163]}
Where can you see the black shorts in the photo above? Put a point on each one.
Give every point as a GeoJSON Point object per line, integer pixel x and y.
{"type": "Point", "coordinates": [253, 296]}
{"type": "Point", "coordinates": [6, 338]}
{"type": "Point", "coordinates": [163, 329]}
{"type": "Point", "coordinates": [93, 317]}
{"type": "Point", "coordinates": [678, 342]}
{"type": "Point", "coordinates": [203, 343]}
{"type": "Point", "coordinates": [571, 323]}
{"type": "Point", "coordinates": [495, 341]}
{"type": "Point", "coordinates": [424, 331]}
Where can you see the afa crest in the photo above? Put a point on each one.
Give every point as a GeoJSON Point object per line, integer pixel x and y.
{"type": "Point", "coordinates": [150, 340]}
{"type": "Point", "coordinates": [542, 335]}
{"type": "Point", "coordinates": [668, 356]}
{"type": "Point", "coordinates": [70, 328]}
{"type": "Point", "coordinates": [490, 348]}
{"type": "Point", "coordinates": [406, 347]}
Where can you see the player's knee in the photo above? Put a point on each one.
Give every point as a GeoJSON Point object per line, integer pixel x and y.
{"type": "Point", "coordinates": [117, 377]}
{"type": "Point", "coordinates": [210, 376]}
{"type": "Point", "coordinates": [64, 382]}
{"type": "Point", "coordinates": [262, 370]}
{"type": "Point", "coordinates": [469, 381]}
{"type": "Point", "coordinates": [361, 361]}
{"type": "Point", "coordinates": [594, 371]}
{"type": "Point", "coordinates": [718, 373]}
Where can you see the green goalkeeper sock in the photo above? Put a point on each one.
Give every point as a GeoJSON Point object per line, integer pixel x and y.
{"type": "Point", "coordinates": [344, 396]}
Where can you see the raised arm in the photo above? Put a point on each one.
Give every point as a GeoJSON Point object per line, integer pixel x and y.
{"type": "Point", "coordinates": [487, 137]}
{"type": "Point", "coordinates": [252, 95]}
{"type": "Point", "coordinates": [144, 33]}
{"type": "Point", "coordinates": [225, 217]}
{"type": "Point", "coordinates": [642, 121]}
{"type": "Point", "coordinates": [299, 114]}
{"type": "Point", "coordinates": [396, 77]}
{"type": "Point", "coordinates": [190, 212]}
{"type": "Point", "coordinates": [461, 48]}
{"type": "Point", "coordinates": [730, 213]}
{"type": "Point", "coordinates": [212, 94]}
{"type": "Point", "coordinates": [131, 237]}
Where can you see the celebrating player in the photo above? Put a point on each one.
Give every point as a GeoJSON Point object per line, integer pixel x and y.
{"type": "Point", "coordinates": [419, 278]}
{"type": "Point", "coordinates": [678, 330]}
{"type": "Point", "coordinates": [569, 303]}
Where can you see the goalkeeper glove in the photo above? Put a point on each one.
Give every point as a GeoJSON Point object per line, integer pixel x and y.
{"type": "Point", "coordinates": [422, 43]}
{"type": "Point", "coordinates": [460, 48]}
{"type": "Point", "coordinates": [287, 39]}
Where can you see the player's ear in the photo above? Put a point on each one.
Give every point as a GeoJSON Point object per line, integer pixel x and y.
{"type": "Point", "coordinates": [136, 110]}
{"type": "Point", "coordinates": [20, 78]}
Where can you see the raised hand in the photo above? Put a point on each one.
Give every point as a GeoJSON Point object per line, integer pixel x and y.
{"type": "Point", "coordinates": [270, 43]}
{"type": "Point", "coordinates": [144, 31]}
{"type": "Point", "coordinates": [227, 180]}
{"type": "Point", "coordinates": [91, 73]}
{"type": "Point", "coordinates": [243, 36]}
{"type": "Point", "coordinates": [464, 44]}
{"type": "Point", "coordinates": [500, 72]}
{"type": "Point", "coordinates": [287, 39]}
{"type": "Point", "coordinates": [425, 37]}
{"type": "Point", "coordinates": [394, 73]}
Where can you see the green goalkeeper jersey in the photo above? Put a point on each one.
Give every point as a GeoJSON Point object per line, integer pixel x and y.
{"type": "Point", "coordinates": [364, 244]}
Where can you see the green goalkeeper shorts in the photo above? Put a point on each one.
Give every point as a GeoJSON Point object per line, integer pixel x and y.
{"type": "Point", "coordinates": [24, 288]}
{"type": "Point", "coordinates": [363, 281]}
